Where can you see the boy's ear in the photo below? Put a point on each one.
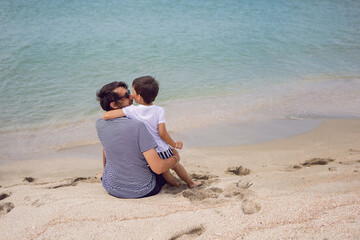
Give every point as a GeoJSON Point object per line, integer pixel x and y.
{"type": "Point", "coordinates": [140, 97]}
{"type": "Point", "coordinates": [113, 105]}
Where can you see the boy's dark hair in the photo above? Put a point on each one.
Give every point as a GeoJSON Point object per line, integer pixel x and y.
{"type": "Point", "coordinates": [106, 94]}
{"type": "Point", "coordinates": [147, 87]}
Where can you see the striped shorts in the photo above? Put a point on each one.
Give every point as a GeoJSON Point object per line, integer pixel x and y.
{"type": "Point", "coordinates": [166, 154]}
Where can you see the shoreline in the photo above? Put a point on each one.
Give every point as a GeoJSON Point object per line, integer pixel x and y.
{"type": "Point", "coordinates": [240, 133]}
{"type": "Point", "coordinates": [305, 186]}
{"type": "Point", "coordinates": [306, 100]}
{"type": "Point", "coordinates": [219, 134]}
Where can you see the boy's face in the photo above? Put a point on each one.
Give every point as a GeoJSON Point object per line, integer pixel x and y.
{"type": "Point", "coordinates": [136, 96]}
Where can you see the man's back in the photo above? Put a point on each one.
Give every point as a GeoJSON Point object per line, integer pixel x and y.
{"type": "Point", "coordinates": [126, 172]}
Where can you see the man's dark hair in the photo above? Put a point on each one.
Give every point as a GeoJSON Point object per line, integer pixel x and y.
{"type": "Point", "coordinates": [106, 95]}
{"type": "Point", "coordinates": [147, 87]}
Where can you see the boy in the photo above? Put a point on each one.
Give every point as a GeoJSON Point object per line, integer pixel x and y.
{"type": "Point", "coordinates": [145, 90]}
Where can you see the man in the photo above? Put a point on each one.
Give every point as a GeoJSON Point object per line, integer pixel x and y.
{"type": "Point", "coordinates": [132, 167]}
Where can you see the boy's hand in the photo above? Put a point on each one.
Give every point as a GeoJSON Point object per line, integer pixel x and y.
{"type": "Point", "coordinates": [179, 145]}
{"type": "Point", "coordinates": [113, 114]}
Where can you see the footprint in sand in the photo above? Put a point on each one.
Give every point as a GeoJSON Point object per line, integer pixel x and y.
{"type": "Point", "coordinates": [314, 161]}
{"type": "Point", "coordinates": [31, 202]}
{"type": "Point", "coordinates": [29, 179]}
{"type": "Point", "coordinates": [168, 189]}
{"type": "Point", "coordinates": [206, 180]}
{"type": "Point", "coordinates": [75, 181]}
{"type": "Point", "coordinates": [351, 150]}
{"type": "Point", "coordinates": [202, 176]}
{"type": "Point", "coordinates": [37, 203]}
{"type": "Point", "coordinates": [240, 171]}
{"type": "Point", "coordinates": [194, 232]}
{"type": "Point", "coordinates": [318, 161]}
{"type": "Point", "coordinates": [239, 190]}
{"type": "Point", "coordinates": [6, 208]}
{"type": "Point", "coordinates": [250, 207]}
{"type": "Point", "coordinates": [351, 162]}
{"type": "Point", "coordinates": [243, 184]}
{"type": "Point", "coordinates": [5, 195]}
{"type": "Point", "coordinates": [201, 194]}
{"type": "Point", "coordinates": [198, 193]}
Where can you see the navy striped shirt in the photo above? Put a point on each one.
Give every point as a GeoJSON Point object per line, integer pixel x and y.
{"type": "Point", "coordinates": [126, 173]}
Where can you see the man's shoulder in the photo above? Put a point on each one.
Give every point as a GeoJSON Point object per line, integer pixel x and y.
{"type": "Point", "coordinates": [126, 120]}
{"type": "Point", "coordinates": [100, 122]}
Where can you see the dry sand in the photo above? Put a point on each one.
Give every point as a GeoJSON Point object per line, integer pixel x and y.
{"type": "Point", "coordinates": [302, 187]}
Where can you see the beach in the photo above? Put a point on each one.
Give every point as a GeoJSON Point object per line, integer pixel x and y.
{"type": "Point", "coordinates": [264, 96]}
{"type": "Point", "coordinates": [304, 186]}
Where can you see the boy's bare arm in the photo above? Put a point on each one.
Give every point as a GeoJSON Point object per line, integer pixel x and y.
{"type": "Point", "coordinates": [166, 137]}
{"type": "Point", "coordinates": [113, 114]}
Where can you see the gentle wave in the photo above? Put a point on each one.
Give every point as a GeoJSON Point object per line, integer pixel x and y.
{"type": "Point", "coordinates": [296, 101]}
{"type": "Point", "coordinates": [216, 62]}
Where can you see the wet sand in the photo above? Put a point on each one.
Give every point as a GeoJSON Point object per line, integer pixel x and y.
{"type": "Point", "coordinates": [305, 186]}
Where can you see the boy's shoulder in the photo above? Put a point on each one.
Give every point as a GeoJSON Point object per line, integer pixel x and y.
{"type": "Point", "coordinates": [129, 107]}
{"type": "Point", "coordinates": [157, 106]}
{"type": "Point", "coordinates": [150, 107]}
{"type": "Point", "coordinates": [157, 109]}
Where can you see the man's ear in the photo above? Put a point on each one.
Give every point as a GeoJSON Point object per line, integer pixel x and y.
{"type": "Point", "coordinates": [113, 105]}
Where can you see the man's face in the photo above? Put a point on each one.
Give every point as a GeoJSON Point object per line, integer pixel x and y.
{"type": "Point", "coordinates": [126, 101]}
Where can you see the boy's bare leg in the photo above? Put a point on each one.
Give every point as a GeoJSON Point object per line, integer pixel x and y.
{"type": "Point", "coordinates": [170, 179]}
{"type": "Point", "coordinates": [181, 172]}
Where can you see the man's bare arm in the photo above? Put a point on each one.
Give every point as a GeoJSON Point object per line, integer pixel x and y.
{"type": "Point", "coordinates": [159, 165]}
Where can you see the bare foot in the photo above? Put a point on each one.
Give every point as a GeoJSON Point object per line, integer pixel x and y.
{"type": "Point", "coordinates": [174, 184]}
{"type": "Point", "coordinates": [195, 184]}
{"type": "Point", "coordinates": [170, 179]}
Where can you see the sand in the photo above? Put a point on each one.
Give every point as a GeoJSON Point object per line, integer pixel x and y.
{"type": "Point", "coordinates": [302, 187]}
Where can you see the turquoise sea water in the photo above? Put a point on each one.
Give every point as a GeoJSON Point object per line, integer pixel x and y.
{"type": "Point", "coordinates": [216, 61]}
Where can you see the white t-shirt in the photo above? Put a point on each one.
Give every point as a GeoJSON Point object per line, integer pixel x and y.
{"type": "Point", "coordinates": [152, 116]}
